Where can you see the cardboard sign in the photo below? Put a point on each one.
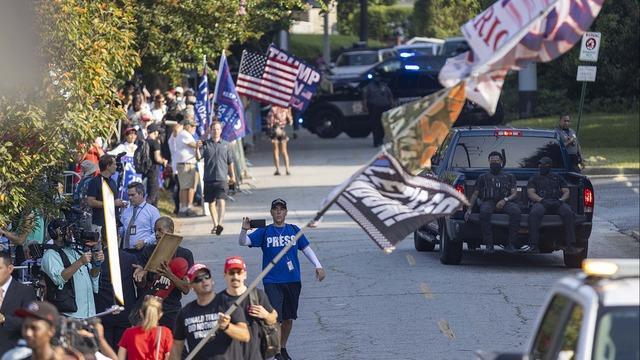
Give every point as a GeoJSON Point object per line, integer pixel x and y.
{"type": "Point", "coordinates": [163, 252]}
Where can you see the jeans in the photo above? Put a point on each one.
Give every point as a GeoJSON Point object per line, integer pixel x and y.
{"type": "Point", "coordinates": [546, 206]}
{"type": "Point", "coordinates": [487, 208]}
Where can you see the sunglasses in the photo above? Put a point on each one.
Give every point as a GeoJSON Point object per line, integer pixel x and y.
{"type": "Point", "coordinates": [201, 278]}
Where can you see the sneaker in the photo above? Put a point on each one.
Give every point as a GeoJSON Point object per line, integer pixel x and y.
{"type": "Point", "coordinates": [284, 355]}
{"type": "Point", "coordinates": [276, 173]}
{"type": "Point", "coordinates": [524, 248]}
{"type": "Point", "coordinates": [219, 229]}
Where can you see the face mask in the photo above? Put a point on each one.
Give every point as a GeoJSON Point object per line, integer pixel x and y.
{"type": "Point", "coordinates": [544, 170]}
{"type": "Point", "coordinates": [495, 167]}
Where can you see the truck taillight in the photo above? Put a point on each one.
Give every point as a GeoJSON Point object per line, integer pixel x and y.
{"type": "Point", "coordinates": [587, 199]}
{"type": "Point", "coordinates": [460, 188]}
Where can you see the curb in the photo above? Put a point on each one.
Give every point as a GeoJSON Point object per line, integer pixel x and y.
{"type": "Point", "coordinates": [634, 234]}
{"type": "Point", "coordinates": [610, 171]}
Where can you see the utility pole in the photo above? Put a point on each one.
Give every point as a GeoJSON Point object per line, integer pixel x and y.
{"type": "Point", "coordinates": [364, 22]}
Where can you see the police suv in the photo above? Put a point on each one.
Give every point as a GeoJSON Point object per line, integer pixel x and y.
{"type": "Point", "coordinates": [592, 315]}
{"type": "Point", "coordinates": [340, 108]}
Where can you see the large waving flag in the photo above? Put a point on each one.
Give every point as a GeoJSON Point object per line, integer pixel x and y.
{"type": "Point", "coordinates": [417, 129]}
{"type": "Point", "coordinates": [511, 33]}
{"type": "Point", "coordinates": [203, 106]}
{"type": "Point", "coordinates": [229, 109]}
{"type": "Point", "coordinates": [389, 204]}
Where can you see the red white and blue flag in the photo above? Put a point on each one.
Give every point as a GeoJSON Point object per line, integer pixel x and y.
{"type": "Point", "coordinates": [203, 106]}
{"type": "Point", "coordinates": [269, 79]}
{"type": "Point", "coordinates": [229, 107]}
{"type": "Point", "coordinates": [511, 33]}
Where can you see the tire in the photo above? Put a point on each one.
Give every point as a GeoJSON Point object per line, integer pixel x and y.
{"type": "Point", "coordinates": [422, 244]}
{"type": "Point", "coordinates": [450, 251]}
{"type": "Point", "coordinates": [327, 124]}
{"type": "Point", "coordinates": [358, 132]}
{"type": "Point", "coordinates": [575, 260]}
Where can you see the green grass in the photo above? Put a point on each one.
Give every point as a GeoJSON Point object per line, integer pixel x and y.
{"type": "Point", "coordinates": [607, 140]}
{"type": "Point", "coordinates": [309, 46]}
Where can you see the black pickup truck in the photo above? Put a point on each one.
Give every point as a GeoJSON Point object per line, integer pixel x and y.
{"type": "Point", "coordinates": [462, 157]}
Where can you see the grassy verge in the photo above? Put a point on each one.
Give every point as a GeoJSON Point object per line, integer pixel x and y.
{"type": "Point", "coordinates": [309, 46]}
{"type": "Point", "coordinates": [607, 140]}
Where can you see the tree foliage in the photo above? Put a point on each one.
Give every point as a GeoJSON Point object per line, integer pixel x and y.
{"type": "Point", "coordinates": [442, 18]}
{"type": "Point", "coordinates": [383, 21]}
{"type": "Point", "coordinates": [347, 14]}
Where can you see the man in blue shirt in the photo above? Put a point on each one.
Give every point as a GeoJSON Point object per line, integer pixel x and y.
{"type": "Point", "coordinates": [138, 220]}
{"type": "Point", "coordinates": [283, 283]}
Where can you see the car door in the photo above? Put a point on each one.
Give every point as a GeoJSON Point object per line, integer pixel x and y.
{"type": "Point", "coordinates": [558, 334]}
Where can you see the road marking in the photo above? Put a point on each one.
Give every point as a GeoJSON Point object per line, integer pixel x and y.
{"type": "Point", "coordinates": [426, 291]}
{"type": "Point", "coordinates": [411, 260]}
{"type": "Point", "coordinates": [446, 329]}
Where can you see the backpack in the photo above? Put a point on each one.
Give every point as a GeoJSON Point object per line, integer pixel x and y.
{"type": "Point", "coordinates": [142, 158]}
{"type": "Point", "coordinates": [269, 334]}
{"type": "Point", "coordinates": [63, 299]}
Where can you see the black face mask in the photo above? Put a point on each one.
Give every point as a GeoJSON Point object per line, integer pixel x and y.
{"type": "Point", "coordinates": [544, 170]}
{"type": "Point", "coordinates": [495, 167]}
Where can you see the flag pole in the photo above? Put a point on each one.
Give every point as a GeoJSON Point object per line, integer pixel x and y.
{"type": "Point", "coordinates": [282, 252]}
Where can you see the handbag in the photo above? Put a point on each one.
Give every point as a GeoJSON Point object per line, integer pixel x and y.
{"type": "Point", "coordinates": [269, 334]}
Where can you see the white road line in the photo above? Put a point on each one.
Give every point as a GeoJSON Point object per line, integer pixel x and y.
{"type": "Point", "coordinates": [445, 328]}
{"type": "Point", "coordinates": [411, 260]}
{"type": "Point", "coordinates": [426, 291]}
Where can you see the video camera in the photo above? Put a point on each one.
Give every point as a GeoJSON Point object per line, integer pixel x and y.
{"type": "Point", "coordinates": [81, 334]}
{"type": "Point", "coordinates": [119, 164]}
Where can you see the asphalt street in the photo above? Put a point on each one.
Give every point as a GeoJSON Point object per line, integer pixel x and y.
{"type": "Point", "coordinates": [403, 305]}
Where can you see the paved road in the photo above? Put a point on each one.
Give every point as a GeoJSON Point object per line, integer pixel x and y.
{"type": "Point", "coordinates": [404, 305]}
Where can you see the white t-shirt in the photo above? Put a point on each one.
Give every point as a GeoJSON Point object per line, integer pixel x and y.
{"type": "Point", "coordinates": [158, 114]}
{"type": "Point", "coordinates": [184, 153]}
{"type": "Point", "coordinates": [130, 149]}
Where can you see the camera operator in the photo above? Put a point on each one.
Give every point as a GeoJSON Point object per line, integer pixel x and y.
{"type": "Point", "coordinates": [64, 262]}
{"type": "Point", "coordinates": [108, 167]}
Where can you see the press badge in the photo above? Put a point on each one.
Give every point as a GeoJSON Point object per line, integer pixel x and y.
{"type": "Point", "coordinates": [290, 265]}
{"type": "Point", "coordinates": [132, 230]}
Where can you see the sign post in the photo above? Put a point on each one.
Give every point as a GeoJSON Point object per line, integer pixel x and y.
{"type": "Point", "coordinates": [588, 52]}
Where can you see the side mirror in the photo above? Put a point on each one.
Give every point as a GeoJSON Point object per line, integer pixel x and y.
{"type": "Point", "coordinates": [435, 159]}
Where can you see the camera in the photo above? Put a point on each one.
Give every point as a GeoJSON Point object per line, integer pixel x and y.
{"type": "Point", "coordinates": [119, 164]}
{"type": "Point", "coordinates": [258, 223]}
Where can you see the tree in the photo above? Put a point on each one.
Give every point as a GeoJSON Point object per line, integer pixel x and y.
{"type": "Point", "coordinates": [442, 18]}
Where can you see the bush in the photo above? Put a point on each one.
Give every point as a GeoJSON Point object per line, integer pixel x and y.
{"type": "Point", "coordinates": [384, 20]}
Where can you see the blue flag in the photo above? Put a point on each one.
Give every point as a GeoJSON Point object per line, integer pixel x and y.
{"type": "Point", "coordinates": [203, 106]}
{"type": "Point", "coordinates": [229, 108]}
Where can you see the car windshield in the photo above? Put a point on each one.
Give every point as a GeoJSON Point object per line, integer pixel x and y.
{"type": "Point", "coordinates": [354, 59]}
{"type": "Point", "coordinates": [617, 334]}
{"type": "Point", "coordinates": [453, 48]}
{"type": "Point", "coordinates": [519, 151]}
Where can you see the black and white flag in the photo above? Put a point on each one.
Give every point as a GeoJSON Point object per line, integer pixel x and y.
{"type": "Point", "coordinates": [389, 204]}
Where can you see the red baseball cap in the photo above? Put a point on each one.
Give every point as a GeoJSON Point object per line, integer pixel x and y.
{"type": "Point", "coordinates": [40, 310]}
{"type": "Point", "coordinates": [130, 129]}
{"type": "Point", "coordinates": [191, 274]}
{"type": "Point", "coordinates": [234, 262]}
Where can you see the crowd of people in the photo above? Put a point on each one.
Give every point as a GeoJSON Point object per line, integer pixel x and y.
{"type": "Point", "coordinates": [76, 315]}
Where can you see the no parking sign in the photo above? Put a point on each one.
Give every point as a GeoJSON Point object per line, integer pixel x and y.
{"type": "Point", "coordinates": [590, 46]}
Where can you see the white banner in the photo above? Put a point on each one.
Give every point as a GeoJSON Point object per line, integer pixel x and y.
{"type": "Point", "coordinates": [108, 204]}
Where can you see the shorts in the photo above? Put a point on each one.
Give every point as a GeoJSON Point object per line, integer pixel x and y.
{"type": "Point", "coordinates": [187, 176]}
{"type": "Point", "coordinates": [214, 190]}
{"type": "Point", "coordinates": [278, 134]}
{"type": "Point", "coordinates": [284, 298]}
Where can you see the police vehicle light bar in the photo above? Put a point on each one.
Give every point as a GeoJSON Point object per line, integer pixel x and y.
{"type": "Point", "coordinates": [412, 67]}
{"type": "Point", "coordinates": [611, 267]}
{"type": "Point", "coordinates": [407, 54]}
{"type": "Point", "coordinates": [508, 133]}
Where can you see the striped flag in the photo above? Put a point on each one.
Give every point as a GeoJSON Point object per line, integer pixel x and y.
{"type": "Point", "coordinates": [510, 34]}
{"type": "Point", "coordinates": [269, 79]}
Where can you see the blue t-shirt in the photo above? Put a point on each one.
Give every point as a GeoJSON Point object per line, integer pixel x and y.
{"type": "Point", "coordinates": [272, 239]}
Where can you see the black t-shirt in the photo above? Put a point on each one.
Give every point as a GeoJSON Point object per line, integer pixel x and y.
{"type": "Point", "coordinates": [104, 298]}
{"type": "Point", "coordinates": [95, 189]}
{"type": "Point", "coordinates": [157, 284]}
{"type": "Point", "coordinates": [495, 187]}
{"type": "Point", "coordinates": [154, 145]}
{"type": "Point", "coordinates": [195, 321]}
{"type": "Point", "coordinates": [251, 350]}
{"type": "Point", "coordinates": [547, 186]}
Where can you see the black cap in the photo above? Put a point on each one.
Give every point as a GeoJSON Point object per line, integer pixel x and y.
{"type": "Point", "coordinates": [153, 127]}
{"type": "Point", "coordinates": [546, 161]}
{"type": "Point", "coordinates": [278, 202]}
{"type": "Point", "coordinates": [40, 310]}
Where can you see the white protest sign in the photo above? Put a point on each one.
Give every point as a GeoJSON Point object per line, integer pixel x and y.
{"type": "Point", "coordinates": [108, 203]}
{"type": "Point", "coordinates": [586, 73]}
{"type": "Point", "coordinates": [590, 46]}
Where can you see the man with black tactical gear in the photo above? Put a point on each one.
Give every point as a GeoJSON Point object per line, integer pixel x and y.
{"type": "Point", "coordinates": [549, 192]}
{"type": "Point", "coordinates": [496, 190]}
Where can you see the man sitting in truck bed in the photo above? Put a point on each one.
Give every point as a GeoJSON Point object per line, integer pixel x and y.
{"type": "Point", "coordinates": [548, 193]}
{"type": "Point", "coordinates": [496, 189]}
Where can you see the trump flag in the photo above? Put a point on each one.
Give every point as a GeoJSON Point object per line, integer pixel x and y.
{"type": "Point", "coordinates": [229, 109]}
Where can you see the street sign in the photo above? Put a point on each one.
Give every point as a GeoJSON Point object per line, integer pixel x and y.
{"type": "Point", "coordinates": [590, 46]}
{"type": "Point", "coordinates": [586, 73]}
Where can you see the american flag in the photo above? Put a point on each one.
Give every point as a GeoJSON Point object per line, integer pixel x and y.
{"type": "Point", "coordinates": [266, 79]}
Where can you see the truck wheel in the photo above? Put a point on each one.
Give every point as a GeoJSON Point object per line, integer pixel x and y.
{"type": "Point", "coordinates": [326, 124]}
{"type": "Point", "coordinates": [358, 132]}
{"type": "Point", "coordinates": [421, 243]}
{"type": "Point", "coordinates": [450, 251]}
{"type": "Point", "coordinates": [575, 260]}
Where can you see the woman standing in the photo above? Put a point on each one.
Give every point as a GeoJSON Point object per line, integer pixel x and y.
{"type": "Point", "coordinates": [147, 341]}
{"type": "Point", "coordinates": [277, 119]}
